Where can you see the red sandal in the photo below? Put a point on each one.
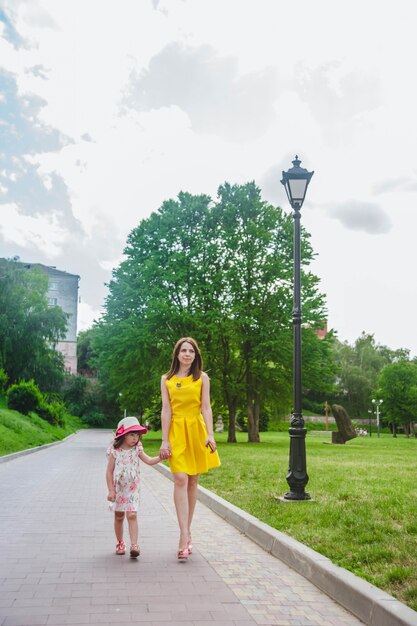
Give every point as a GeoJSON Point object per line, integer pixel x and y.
{"type": "Point", "coordinates": [183, 554]}
{"type": "Point", "coordinates": [120, 547]}
{"type": "Point", "coordinates": [134, 550]}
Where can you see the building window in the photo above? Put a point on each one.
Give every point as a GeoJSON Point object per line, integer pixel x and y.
{"type": "Point", "coordinates": [52, 301]}
{"type": "Point", "coordinates": [53, 286]}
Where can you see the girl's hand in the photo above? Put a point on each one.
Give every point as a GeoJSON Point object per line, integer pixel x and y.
{"type": "Point", "coordinates": [210, 443]}
{"type": "Point", "coordinates": [165, 450]}
{"type": "Point", "coordinates": [111, 496]}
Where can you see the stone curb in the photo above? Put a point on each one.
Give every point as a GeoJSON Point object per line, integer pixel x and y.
{"type": "Point", "coordinates": [367, 602]}
{"type": "Point", "coordinates": [15, 455]}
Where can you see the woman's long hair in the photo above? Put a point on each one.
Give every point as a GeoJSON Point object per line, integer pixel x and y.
{"type": "Point", "coordinates": [196, 366]}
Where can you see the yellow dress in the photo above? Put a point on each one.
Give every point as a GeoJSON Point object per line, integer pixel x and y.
{"type": "Point", "coordinates": [188, 432]}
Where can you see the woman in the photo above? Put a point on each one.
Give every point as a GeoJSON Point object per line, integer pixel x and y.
{"type": "Point", "coordinates": [187, 432]}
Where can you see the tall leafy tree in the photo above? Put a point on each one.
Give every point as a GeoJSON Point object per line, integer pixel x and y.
{"type": "Point", "coordinates": [85, 353]}
{"type": "Point", "coordinates": [257, 275]}
{"type": "Point", "coordinates": [156, 295]}
{"type": "Point", "coordinates": [359, 367]}
{"type": "Point", "coordinates": [319, 369]}
{"type": "Point", "coordinates": [221, 272]}
{"type": "Point", "coordinates": [397, 386]}
{"type": "Point", "coordinates": [29, 328]}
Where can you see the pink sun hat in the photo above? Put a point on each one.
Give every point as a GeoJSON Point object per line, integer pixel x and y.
{"type": "Point", "coordinates": [130, 425]}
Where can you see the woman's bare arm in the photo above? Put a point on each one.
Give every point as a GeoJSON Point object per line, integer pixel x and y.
{"type": "Point", "coordinates": [165, 419]}
{"type": "Point", "coordinates": [206, 411]}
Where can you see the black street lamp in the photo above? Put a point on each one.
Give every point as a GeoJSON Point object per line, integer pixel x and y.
{"type": "Point", "coordinates": [296, 181]}
{"type": "Point", "coordinates": [370, 411]}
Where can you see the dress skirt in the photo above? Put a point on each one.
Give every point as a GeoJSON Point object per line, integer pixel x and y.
{"type": "Point", "coordinates": [188, 432]}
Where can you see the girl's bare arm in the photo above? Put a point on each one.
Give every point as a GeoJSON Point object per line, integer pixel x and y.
{"type": "Point", "coordinates": [149, 460]}
{"type": "Point", "coordinates": [111, 496]}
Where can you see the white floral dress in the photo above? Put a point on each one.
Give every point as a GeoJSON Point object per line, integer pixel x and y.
{"type": "Point", "coordinates": [126, 477]}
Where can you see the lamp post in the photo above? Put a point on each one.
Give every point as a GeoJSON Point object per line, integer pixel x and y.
{"type": "Point", "coordinates": [377, 404]}
{"type": "Point", "coordinates": [370, 411]}
{"type": "Point", "coordinates": [125, 410]}
{"type": "Point", "coordinates": [296, 181]}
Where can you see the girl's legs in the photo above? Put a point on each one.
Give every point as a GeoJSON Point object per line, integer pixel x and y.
{"type": "Point", "coordinates": [181, 506]}
{"type": "Point", "coordinates": [132, 520]}
{"type": "Point", "coordinates": [192, 499]}
{"type": "Point", "coordinates": [119, 517]}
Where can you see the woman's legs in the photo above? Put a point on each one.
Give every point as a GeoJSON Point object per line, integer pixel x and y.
{"type": "Point", "coordinates": [119, 517]}
{"type": "Point", "coordinates": [185, 498]}
{"type": "Point", "coordinates": [132, 520]}
{"type": "Point", "coordinates": [181, 506]}
{"type": "Point", "coordinates": [192, 499]}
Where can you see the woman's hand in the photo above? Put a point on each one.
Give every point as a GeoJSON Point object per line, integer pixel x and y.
{"type": "Point", "coordinates": [165, 450]}
{"type": "Point", "coordinates": [111, 496]}
{"type": "Point", "coordinates": [210, 443]}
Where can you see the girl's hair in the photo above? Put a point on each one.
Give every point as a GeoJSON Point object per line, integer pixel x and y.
{"type": "Point", "coordinates": [196, 366]}
{"type": "Point", "coordinates": [117, 442]}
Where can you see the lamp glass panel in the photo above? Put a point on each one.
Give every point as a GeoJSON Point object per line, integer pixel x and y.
{"type": "Point", "coordinates": [297, 188]}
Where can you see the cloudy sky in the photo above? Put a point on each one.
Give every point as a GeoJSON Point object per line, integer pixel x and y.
{"type": "Point", "coordinates": [110, 107]}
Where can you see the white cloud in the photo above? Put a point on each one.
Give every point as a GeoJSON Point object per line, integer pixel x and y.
{"type": "Point", "coordinates": [87, 315]}
{"type": "Point", "coordinates": [35, 233]}
{"type": "Point", "coordinates": [108, 266]}
{"type": "Point", "coordinates": [363, 216]}
{"type": "Point", "coordinates": [208, 88]}
{"type": "Point", "coordinates": [334, 88]}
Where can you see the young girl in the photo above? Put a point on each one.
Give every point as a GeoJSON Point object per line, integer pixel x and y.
{"type": "Point", "coordinates": [122, 478]}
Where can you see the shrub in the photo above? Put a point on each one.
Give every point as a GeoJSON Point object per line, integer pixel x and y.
{"type": "Point", "coordinates": [263, 421]}
{"type": "Point", "coordinates": [54, 412]}
{"type": "Point", "coordinates": [241, 421]}
{"type": "Point", "coordinates": [283, 427]}
{"type": "Point", "coordinates": [87, 398]}
{"type": "Point", "coordinates": [152, 417]}
{"type": "Point", "coordinates": [75, 394]}
{"type": "Point", "coordinates": [45, 412]}
{"type": "Point", "coordinates": [3, 380]}
{"type": "Point", "coordinates": [24, 397]}
{"type": "Point", "coordinates": [95, 419]}
{"type": "Point", "coordinates": [315, 407]}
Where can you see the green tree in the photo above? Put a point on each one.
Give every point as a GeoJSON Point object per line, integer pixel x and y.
{"type": "Point", "coordinates": [87, 398]}
{"type": "Point", "coordinates": [29, 328]}
{"type": "Point", "coordinates": [85, 353]}
{"type": "Point", "coordinates": [257, 274]}
{"type": "Point", "coordinates": [397, 386]}
{"type": "Point", "coordinates": [319, 369]}
{"type": "Point", "coordinates": [221, 272]}
{"type": "Point", "coordinates": [359, 366]}
{"type": "Point", "coordinates": [156, 296]}
{"type": "Point", "coordinates": [3, 380]}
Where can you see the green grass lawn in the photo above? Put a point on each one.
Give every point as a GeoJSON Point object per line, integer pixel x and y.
{"type": "Point", "coordinates": [20, 432]}
{"type": "Point", "coordinates": [364, 510]}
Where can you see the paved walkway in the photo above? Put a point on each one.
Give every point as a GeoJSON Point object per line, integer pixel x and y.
{"type": "Point", "coordinates": [58, 564]}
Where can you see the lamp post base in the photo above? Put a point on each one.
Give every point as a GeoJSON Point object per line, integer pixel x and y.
{"type": "Point", "coordinates": [294, 496]}
{"type": "Point", "coordinates": [297, 477]}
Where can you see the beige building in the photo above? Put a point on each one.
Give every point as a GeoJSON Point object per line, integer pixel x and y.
{"type": "Point", "coordinates": [63, 291]}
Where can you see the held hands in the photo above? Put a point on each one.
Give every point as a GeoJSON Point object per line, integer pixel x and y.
{"type": "Point", "coordinates": [211, 444]}
{"type": "Point", "coordinates": [165, 450]}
